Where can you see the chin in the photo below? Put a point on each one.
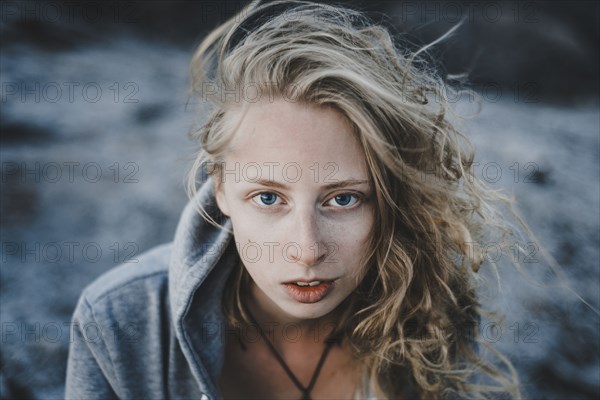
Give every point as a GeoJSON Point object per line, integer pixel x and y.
{"type": "Point", "coordinates": [311, 311]}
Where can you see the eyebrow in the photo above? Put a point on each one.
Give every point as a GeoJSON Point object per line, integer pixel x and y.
{"type": "Point", "coordinates": [334, 185]}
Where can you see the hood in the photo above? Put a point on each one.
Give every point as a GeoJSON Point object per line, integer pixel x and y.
{"type": "Point", "coordinates": [201, 260]}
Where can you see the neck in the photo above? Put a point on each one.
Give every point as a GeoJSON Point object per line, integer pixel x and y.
{"type": "Point", "coordinates": [283, 329]}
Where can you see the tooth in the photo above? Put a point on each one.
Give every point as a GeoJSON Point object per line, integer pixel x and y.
{"type": "Point", "coordinates": [302, 284]}
{"type": "Point", "coordinates": [315, 283]}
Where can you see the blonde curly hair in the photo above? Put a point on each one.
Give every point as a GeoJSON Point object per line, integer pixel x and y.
{"type": "Point", "coordinates": [413, 319]}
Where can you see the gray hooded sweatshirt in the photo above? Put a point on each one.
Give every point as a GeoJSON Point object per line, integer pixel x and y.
{"type": "Point", "coordinates": [155, 329]}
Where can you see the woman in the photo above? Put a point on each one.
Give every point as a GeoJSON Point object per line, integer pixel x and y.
{"type": "Point", "coordinates": [331, 249]}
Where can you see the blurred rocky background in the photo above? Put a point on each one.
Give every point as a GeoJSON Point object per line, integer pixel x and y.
{"type": "Point", "coordinates": [94, 114]}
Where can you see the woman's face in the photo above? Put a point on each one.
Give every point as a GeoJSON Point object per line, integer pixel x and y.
{"type": "Point", "coordinates": [296, 188]}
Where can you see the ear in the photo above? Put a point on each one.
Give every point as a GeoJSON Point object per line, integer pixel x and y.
{"type": "Point", "coordinates": [220, 196]}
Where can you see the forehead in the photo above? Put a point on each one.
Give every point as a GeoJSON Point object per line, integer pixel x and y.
{"type": "Point", "coordinates": [284, 132]}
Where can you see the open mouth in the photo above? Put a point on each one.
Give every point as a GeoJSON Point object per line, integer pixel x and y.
{"type": "Point", "coordinates": [307, 284]}
{"type": "Point", "coordinates": [309, 292]}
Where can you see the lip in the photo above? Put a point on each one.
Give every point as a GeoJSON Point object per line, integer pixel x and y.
{"type": "Point", "coordinates": [308, 280]}
{"type": "Point", "coordinates": [309, 294]}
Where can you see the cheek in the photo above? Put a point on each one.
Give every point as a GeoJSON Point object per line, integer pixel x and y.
{"type": "Point", "coordinates": [250, 230]}
{"type": "Point", "coordinates": [258, 259]}
{"type": "Point", "coordinates": [346, 237]}
{"type": "Point", "coordinates": [351, 237]}
{"type": "Point", "coordinates": [351, 247]}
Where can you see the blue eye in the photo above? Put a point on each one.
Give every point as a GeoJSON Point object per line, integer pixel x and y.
{"type": "Point", "coordinates": [268, 198]}
{"type": "Point", "coordinates": [344, 199]}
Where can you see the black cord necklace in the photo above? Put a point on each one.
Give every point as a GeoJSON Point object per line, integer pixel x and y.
{"type": "Point", "coordinates": [305, 390]}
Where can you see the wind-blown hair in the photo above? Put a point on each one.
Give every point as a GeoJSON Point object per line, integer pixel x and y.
{"type": "Point", "coordinates": [413, 320]}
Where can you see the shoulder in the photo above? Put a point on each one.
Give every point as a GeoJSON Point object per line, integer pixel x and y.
{"type": "Point", "coordinates": [150, 266]}
{"type": "Point", "coordinates": [132, 287]}
{"type": "Point", "coordinates": [121, 330]}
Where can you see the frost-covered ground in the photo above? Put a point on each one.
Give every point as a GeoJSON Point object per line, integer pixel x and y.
{"type": "Point", "coordinates": [94, 180]}
{"type": "Point", "coordinates": [548, 158]}
{"type": "Point", "coordinates": [108, 186]}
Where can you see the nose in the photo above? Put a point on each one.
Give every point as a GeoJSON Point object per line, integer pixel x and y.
{"type": "Point", "coordinates": [307, 246]}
